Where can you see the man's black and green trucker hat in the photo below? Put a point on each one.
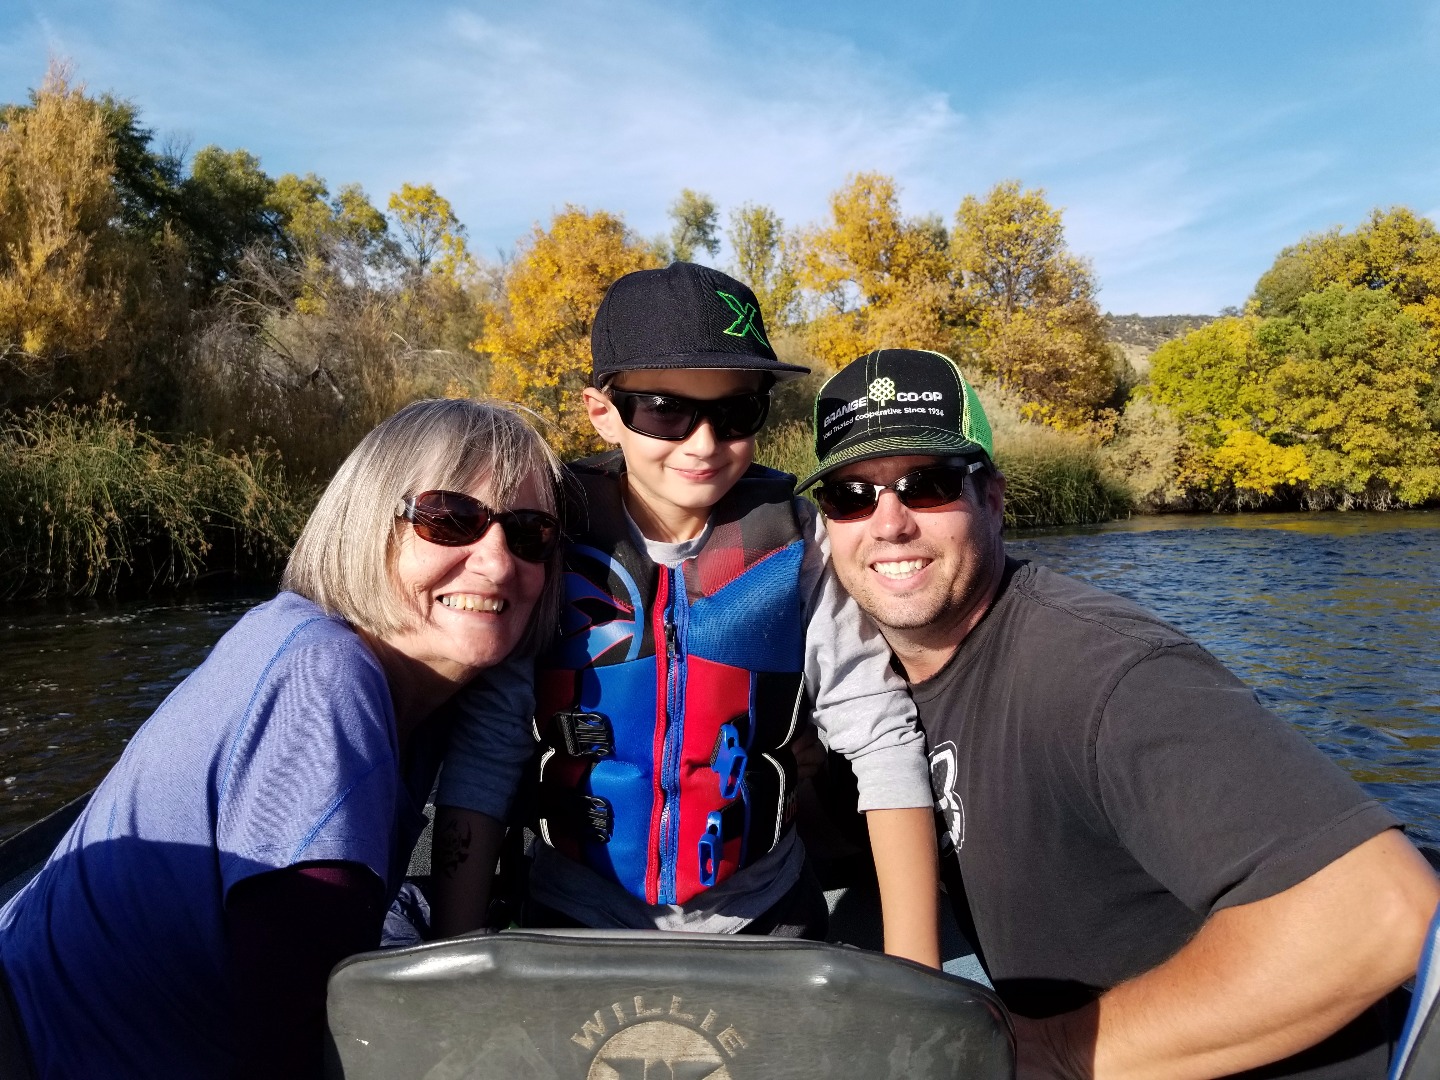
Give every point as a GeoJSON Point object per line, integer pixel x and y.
{"type": "Point", "coordinates": [897, 401]}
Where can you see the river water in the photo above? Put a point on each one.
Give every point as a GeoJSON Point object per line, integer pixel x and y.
{"type": "Point", "coordinates": [1333, 618]}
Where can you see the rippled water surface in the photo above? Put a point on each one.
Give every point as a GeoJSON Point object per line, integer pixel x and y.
{"type": "Point", "coordinates": [1333, 618]}
{"type": "Point", "coordinates": [79, 677]}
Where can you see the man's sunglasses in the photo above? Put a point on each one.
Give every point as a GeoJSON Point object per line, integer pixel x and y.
{"type": "Point", "coordinates": [673, 418]}
{"type": "Point", "coordinates": [452, 519]}
{"type": "Point", "coordinates": [927, 488]}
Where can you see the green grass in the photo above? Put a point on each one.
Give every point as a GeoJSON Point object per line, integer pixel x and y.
{"type": "Point", "coordinates": [94, 502]}
{"type": "Point", "coordinates": [1046, 489]}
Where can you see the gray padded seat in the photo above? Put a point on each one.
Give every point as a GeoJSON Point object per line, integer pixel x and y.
{"type": "Point", "coordinates": [621, 1005]}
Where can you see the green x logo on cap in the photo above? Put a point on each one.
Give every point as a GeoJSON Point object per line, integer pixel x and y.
{"type": "Point", "coordinates": [744, 318]}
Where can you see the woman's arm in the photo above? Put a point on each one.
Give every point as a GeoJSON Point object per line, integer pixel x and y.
{"type": "Point", "coordinates": [462, 868]}
{"type": "Point", "coordinates": [490, 747]}
{"type": "Point", "coordinates": [907, 868]}
{"type": "Point", "coordinates": [286, 929]}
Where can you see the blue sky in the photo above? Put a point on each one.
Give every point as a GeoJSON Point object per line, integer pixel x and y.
{"type": "Point", "coordinates": [1187, 142]}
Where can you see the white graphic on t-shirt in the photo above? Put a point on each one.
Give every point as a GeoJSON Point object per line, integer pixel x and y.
{"type": "Point", "coordinates": [948, 804]}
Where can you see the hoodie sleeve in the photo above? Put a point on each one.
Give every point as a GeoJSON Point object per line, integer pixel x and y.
{"type": "Point", "coordinates": [862, 707]}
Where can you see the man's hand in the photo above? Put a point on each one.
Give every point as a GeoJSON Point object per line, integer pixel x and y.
{"type": "Point", "coordinates": [1258, 983]}
{"type": "Point", "coordinates": [808, 751]}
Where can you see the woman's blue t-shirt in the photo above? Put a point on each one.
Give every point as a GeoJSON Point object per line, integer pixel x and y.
{"type": "Point", "coordinates": [279, 749]}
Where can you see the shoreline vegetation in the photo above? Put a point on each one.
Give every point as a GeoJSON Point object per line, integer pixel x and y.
{"type": "Point", "coordinates": [189, 346]}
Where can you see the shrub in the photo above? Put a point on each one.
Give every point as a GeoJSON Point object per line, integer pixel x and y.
{"type": "Point", "coordinates": [95, 501]}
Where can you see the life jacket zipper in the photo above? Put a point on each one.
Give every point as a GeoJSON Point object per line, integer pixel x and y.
{"type": "Point", "coordinates": [675, 613]}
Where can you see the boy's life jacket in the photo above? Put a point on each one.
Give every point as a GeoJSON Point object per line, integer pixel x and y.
{"type": "Point", "coordinates": [668, 703]}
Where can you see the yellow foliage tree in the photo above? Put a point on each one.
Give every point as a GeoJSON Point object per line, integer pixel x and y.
{"type": "Point", "coordinates": [430, 232]}
{"type": "Point", "coordinates": [880, 279]}
{"type": "Point", "coordinates": [538, 334]}
{"type": "Point", "coordinates": [1039, 329]}
{"type": "Point", "coordinates": [1253, 465]}
{"type": "Point", "coordinates": [59, 301]}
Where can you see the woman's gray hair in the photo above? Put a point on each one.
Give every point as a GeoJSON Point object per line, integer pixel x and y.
{"type": "Point", "coordinates": [345, 557]}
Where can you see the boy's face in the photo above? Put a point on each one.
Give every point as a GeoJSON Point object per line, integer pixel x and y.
{"type": "Point", "coordinates": [677, 482]}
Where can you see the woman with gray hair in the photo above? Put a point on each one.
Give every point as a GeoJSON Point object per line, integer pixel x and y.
{"type": "Point", "coordinates": [259, 823]}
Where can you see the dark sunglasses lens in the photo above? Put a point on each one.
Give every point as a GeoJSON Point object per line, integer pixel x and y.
{"type": "Point", "coordinates": [448, 518]}
{"type": "Point", "coordinates": [741, 416]}
{"type": "Point", "coordinates": [846, 500]}
{"type": "Point", "coordinates": [658, 416]}
{"type": "Point", "coordinates": [530, 534]}
{"type": "Point", "coordinates": [926, 489]}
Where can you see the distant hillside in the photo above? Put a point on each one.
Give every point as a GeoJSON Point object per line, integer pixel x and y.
{"type": "Point", "coordinates": [1140, 335]}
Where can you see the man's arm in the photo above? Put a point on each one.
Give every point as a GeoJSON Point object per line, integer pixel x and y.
{"type": "Point", "coordinates": [462, 868]}
{"type": "Point", "coordinates": [1259, 982]}
{"type": "Point", "coordinates": [907, 869]}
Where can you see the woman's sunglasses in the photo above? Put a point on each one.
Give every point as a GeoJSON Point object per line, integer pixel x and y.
{"type": "Point", "coordinates": [673, 418]}
{"type": "Point", "coordinates": [452, 519]}
{"type": "Point", "coordinates": [928, 488]}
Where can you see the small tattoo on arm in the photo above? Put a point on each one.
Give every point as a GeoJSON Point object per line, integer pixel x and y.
{"type": "Point", "coordinates": [451, 848]}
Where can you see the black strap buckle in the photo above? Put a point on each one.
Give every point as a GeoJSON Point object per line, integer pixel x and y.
{"type": "Point", "coordinates": [597, 818]}
{"type": "Point", "coordinates": [585, 734]}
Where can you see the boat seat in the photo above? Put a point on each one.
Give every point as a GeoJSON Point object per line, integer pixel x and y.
{"type": "Point", "coordinates": [609, 1004]}
{"type": "Point", "coordinates": [1418, 1055]}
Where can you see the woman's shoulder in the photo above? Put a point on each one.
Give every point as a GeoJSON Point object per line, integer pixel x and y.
{"type": "Point", "coordinates": [289, 630]}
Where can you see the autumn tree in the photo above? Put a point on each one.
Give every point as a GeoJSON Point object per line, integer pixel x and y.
{"type": "Point", "coordinates": [1217, 382]}
{"type": "Point", "coordinates": [430, 234]}
{"type": "Point", "coordinates": [696, 223]}
{"type": "Point", "coordinates": [538, 334]}
{"type": "Point", "coordinates": [60, 300]}
{"type": "Point", "coordinates": [765, 260]}
{"type": "Point", "coordinates": [1355, 381]}
{"type": "Point", "coordinates": [1040, 331]}
{"type": "Point", "coordinates": [877, 278]}
{"type": "Point", "coordinates": [1393, 249]}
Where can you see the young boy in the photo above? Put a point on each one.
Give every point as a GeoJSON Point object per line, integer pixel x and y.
{"type": "Point", "coordinates": [701, 628]}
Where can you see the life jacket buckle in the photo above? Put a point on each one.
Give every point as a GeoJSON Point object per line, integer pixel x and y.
{"type": "Point", "coordinates": [585, 734]}
{"type": "Point", "coordinates": [730, 761]}
{"type": "Point", "coordinates": [711, 849]}
{"type": "Point", "coordinates": [598, 818]}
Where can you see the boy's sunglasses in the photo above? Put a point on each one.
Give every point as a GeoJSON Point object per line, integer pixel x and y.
{"type": "Point", "coordinates": [927, 488]}
{"type": "Point", "coordinates": [673, 418]}
{"type": "Point", "coordinates": [452, 519]}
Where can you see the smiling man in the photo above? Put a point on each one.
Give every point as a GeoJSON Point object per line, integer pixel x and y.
{"type": "Point", "coordinates": [1165, 880]}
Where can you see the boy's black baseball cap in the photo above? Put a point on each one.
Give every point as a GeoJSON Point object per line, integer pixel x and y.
{"type": "Point", "coordinates": [684, 316]}
{"type": "Point", "coordinates": [897, 401]}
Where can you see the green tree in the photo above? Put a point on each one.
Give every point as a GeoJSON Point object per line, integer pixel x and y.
{"type": "Point", "coordinates": [1393, 249]}
{"type": "Point", "coordinates": [696, 222]}
{"type": "Point", "coordinates": [1354, 380]}
{"type": "Point", "coordinates": [227, 209]}
{"type": "Point", "coordinates": [765, 260]}
{"type": "Point", "coordinates": [1039, 329]}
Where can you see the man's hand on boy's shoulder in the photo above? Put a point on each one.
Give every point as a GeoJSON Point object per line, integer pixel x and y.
{"type": "Point", "coordinates": [808, 751]}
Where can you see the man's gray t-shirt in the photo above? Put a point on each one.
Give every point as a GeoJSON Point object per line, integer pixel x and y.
{"type": "Point", "coordinates": [1106, 785]}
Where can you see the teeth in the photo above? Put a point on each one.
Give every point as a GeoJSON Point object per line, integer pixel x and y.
{"type": "Point", "coordinates": [900, 569]}
{"type": "Point", "coordinates": [468, 602]}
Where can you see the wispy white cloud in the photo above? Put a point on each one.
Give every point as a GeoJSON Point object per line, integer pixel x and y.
{"type": "Point", "coordinates": [1179, 195]}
